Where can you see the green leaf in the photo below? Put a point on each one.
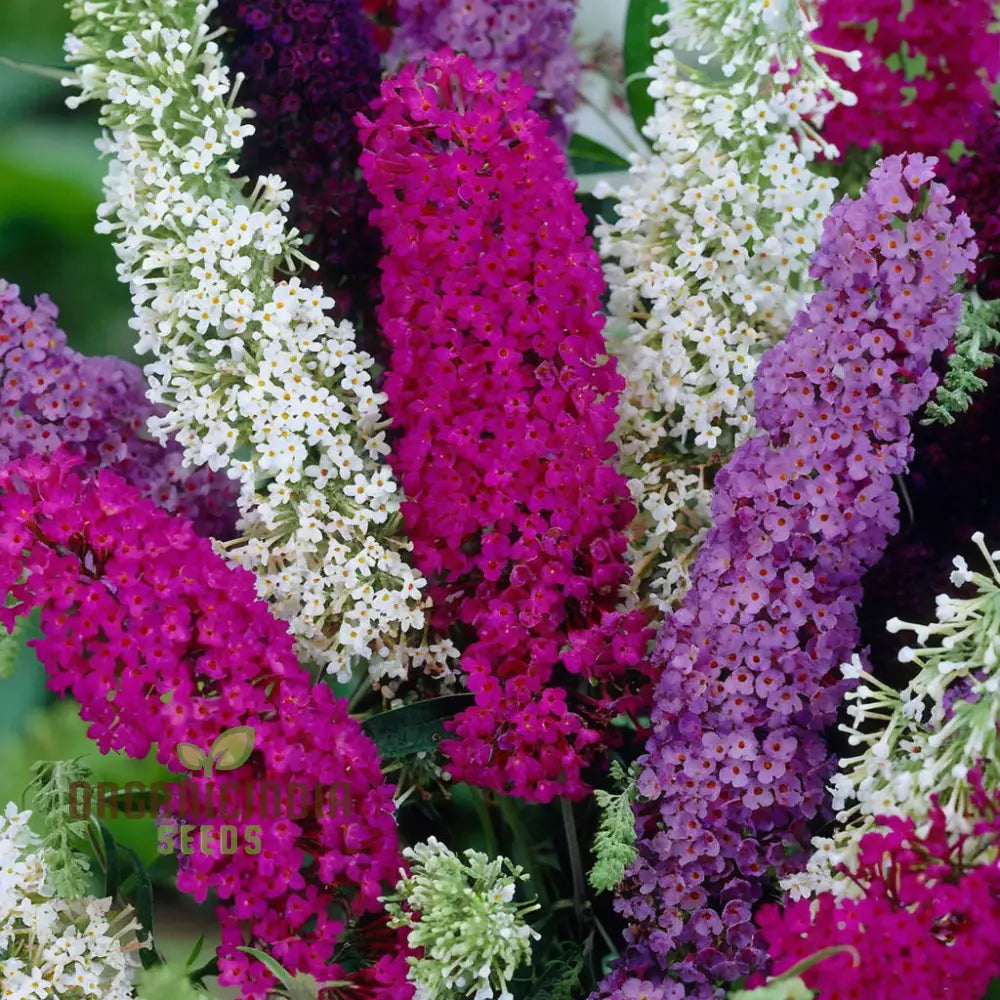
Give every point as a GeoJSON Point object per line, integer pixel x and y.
{"type": "Point", "coordinates": [297, 987]}
{"type": "Point", "coordinates": [9, 645]}
{"type": "Point", "coordinates": [195, 952]}
{"type": "Point", "coordinates": [978, 328]}
{"type": "Point", "coordinates": [210, 968]}
{"type": "Point", "coordinates": [993, 991]}
{"type": "Point", "coordinates": [587, 156]}
{"type": "Point", "coordinates": [638, 52]}
{"type": "Point", "coordinates": [111, 864]}
{"type": "Point", "coordinates": [273, 965]}
{"type": "Point", "coordinates": [416, 728]}
{"type": "Point", "coordinates": [232, 748]}
{"type": "Point", "coordinates": [559, 978]}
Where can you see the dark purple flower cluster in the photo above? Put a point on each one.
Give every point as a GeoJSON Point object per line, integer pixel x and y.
{"type": "Point", "coordinates": [736, 763]}
{"type": "Point", "coordinates": [310, 66]}
{"type": "Point", "coordinates": [50, 395]}
{"type": "Point", "coordinates": [531, 38]}
{"type": "Point", "coordinates": [975, 181]}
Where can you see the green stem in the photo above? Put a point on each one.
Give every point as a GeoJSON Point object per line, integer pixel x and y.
{"type": "Point", "coordinates": [575, 861]}
{"type": "Point", "coordinates": [520, 851]}
{"type": "Point", "coordinates": [485, 821]}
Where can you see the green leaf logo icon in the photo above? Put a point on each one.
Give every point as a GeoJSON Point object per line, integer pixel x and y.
{"type": "Point", "coordinates": [232, 748]}
{"type": "Point", "coordinates": [191, 756]}
{"type": "Point", "coordinates": [227, 753]}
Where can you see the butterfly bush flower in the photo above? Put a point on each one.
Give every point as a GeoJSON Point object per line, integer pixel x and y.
{"type": "Point", "coordinates": [161, 642]}
{"type": "Point", "coordinates": [924, 920]}
{"type": "Point", "coordinates": [532, 39]}
{"type": "Point", "coordinates": [504, 401]}
{"type": "Point", "coordinates": [255, 376]}
{"type": "Point", "coordinates": [52, 396]}
{"type": "Point", "coordinates": [307, 68]}
{"type": "Point", "coordinates": [462, 914]}
{"type": "Point", "coordinates": [748, 665]}
{"type": "Point", "coordinates": [708, 258]}
{"type": "Point", "coordinates": [923, 739]}
{"type": "Point", "coordinates": [897, 109]}
{"type": "Point", "coordinates": [55, 948]}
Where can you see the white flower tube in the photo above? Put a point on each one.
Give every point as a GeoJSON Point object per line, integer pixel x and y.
{"type": "Point", "coordinates": [924, 739]}
{"type": "Point", "coordinates": [256, 376]}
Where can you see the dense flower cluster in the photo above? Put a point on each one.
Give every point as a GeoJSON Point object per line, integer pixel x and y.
{"type": "Point", "coordinates": [307, 68]}
{"type": "Point", "coordinates": [504, 401]}
{"type": "Point", "coordinates": [924, 738]}
{"type": "Point", "coordinates": [51, 947]}
{"type": "Point", "coordinates": [461, 913]}
{"type": "Point", "coordinates": [51, 396]}
{"type": "Point", "coordinates": [256, 377]}
{"type": "Point", "coordinates": [161, 642]}
{"type": "Point", "coordinates": [532, 39]}
{"type": "Point", "coordinates": [902, 106]}
{"type": "Point", "coordinates": [708, 259]}
{"type": "Point", "coordinates": [736, 762]}
{"type": "Point", "coordinates": [927, 917]}
{"type": "Point", "coordinates": [975, 181]}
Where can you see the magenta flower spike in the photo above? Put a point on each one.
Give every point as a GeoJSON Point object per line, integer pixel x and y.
{"type": "Point", "coordinates": [503, 400]}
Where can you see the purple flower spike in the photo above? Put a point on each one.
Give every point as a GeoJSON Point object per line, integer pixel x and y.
{"type": "Point", "coordinates": [736, 763]}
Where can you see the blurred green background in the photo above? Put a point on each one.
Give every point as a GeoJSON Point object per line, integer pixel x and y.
{"type": "Point", "coordinates": [50, 186]}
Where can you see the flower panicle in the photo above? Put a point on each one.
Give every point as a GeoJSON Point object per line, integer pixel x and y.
{"type": "Point", "coordinates": [707, 260]}
{"type": "Point", "coordinates": [736, 764]}
{"type": "Point", "coordinates": [255, 376]}
{"type": "Point", "coordinates": [161, 642]}
{"type": "Point", "coordinates": [503, 398]}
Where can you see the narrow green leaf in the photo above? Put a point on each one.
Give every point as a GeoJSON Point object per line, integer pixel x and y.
{"type": "Point", "coordinates": [638, 52]}
{"type": "Point", "coordinates": [559, 978]}
{"type": "Point", "coordinates": [587, 156]}
{"type": "Point", "coordinates": [416, 728]}
{"type": "Point", "coordinates": [112, 865]}
{"type": "Point", "coordinates": [273, 966]}
{"type": "Point", "coordinates": [210, 968]}
{"type": "Point", "coordinates": [195, 952]}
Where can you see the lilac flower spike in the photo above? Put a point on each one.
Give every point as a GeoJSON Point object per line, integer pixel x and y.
{"type": "Point", "coordinates": [736, 763]}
